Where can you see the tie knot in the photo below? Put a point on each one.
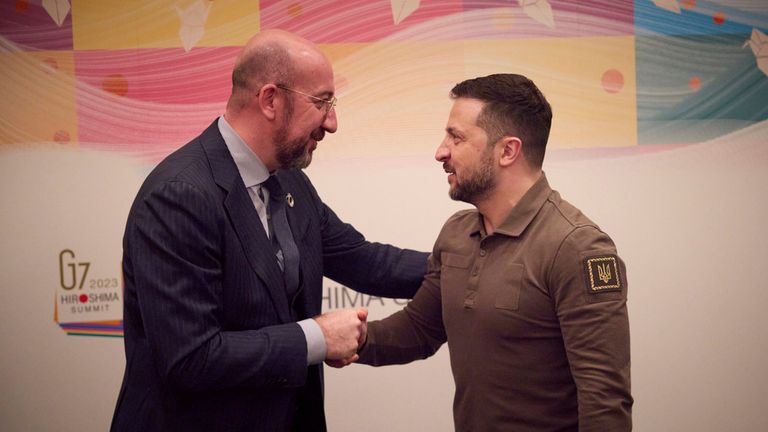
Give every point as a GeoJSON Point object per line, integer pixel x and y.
{"type": "Point", "coordinates": [273, 186]}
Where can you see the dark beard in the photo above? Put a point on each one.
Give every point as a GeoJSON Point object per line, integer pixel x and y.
{"type": "Point", "coordinates": [478, 184]}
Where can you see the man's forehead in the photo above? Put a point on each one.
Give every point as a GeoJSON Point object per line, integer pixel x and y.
{"type": "Point", "coordinates": [464, 113]}
{"type": "Point", "coordinates": [468, 104]}
{"type": "Point", "coordinates": [318, 81]}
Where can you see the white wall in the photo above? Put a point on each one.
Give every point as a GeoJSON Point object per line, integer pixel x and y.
{"type": "Point", "coordinates": [689, 222]}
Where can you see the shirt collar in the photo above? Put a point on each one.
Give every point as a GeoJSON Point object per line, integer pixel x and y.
{"type": "Point", "coordinates": [251, 168]}
{"type": "Point", "coordinates": [523, 212]}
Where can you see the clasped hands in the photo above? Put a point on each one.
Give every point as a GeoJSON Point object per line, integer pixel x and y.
{"type": "Point", "coordinates": [345, 332]}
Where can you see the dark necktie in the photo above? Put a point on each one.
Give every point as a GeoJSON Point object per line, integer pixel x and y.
{"type": "Point", "coordinates": [282, 238]}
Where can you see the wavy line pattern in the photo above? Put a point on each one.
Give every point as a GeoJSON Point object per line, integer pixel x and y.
{"type": "Point", "coordinates": [619, 73]}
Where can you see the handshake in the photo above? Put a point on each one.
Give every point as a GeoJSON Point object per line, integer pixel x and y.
{"type": "Point", "coordinates": [345, 332]}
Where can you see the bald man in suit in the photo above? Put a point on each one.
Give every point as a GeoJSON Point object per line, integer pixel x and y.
{"type": "Point", "coordinates": [223, 323]}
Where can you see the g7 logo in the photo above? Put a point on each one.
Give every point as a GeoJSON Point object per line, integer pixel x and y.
{"type": "Point", "coordinates": [66, 259]}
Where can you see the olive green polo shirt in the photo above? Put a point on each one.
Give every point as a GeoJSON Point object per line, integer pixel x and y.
{"type": "Point", "coordinates": [534, 315]}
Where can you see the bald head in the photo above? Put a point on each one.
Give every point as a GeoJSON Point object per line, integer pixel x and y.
{"type": "Point", "coordinates": [272, 56]}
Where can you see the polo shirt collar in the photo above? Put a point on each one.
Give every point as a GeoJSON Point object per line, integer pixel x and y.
{"type": "Point", "coordinates": [523, 212]}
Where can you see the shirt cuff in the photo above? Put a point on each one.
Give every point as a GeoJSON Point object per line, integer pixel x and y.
{"type": "Point", "coordinates": [315, 341]}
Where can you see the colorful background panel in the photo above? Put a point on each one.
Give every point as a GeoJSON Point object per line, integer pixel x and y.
{"type": "Point", "coordinates": [32, 26]}
{"type": "Point", "coordinates": [589, 82]}
{"type": "Point", "coordinates": [119, 24]}
{"type": "Point", "coordinates": [38, 97]}
{"type": "Point", "coordinates": [556, 18]}
{"type": "Point", "coordinates": [370, 21]}
{"type": "Point", "coordinates": [696, 17]}
{"type": "Point", "coordinates": [328, 21]}
{"type": "Point", "coordinates": [692, 88]}
{"type": "Point", "coordinates": [393, 97]}
{"type": "Point", "coordinates": [133, 100]}
{"type": "Point", "coordinates": [149, 75]}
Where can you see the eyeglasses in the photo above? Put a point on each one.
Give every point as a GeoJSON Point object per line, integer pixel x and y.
{"type": "Point", "coordinates": [329, 103]}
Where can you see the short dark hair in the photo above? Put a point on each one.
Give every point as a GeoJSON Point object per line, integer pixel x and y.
{"type": "Point", "coordinates": [268, 62]}
{"type": "Point", "coordinates": [514, 106]}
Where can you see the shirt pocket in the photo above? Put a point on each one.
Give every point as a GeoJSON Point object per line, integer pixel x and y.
{"type": "Point", "coordinates": [454, 271]}
{"type": "Point", "coordinates": [508, 286]}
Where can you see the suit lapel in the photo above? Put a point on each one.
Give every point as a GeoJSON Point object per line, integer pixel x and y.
{"type": "Point", "coordinates": [245, 220]}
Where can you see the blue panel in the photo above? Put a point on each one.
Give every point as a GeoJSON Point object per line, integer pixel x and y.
{"type": "Point", "coordinates": [733, 91]}
{"type": "Point", "coordinates": [653, 20]}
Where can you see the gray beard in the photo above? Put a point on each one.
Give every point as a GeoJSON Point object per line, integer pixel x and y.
{"type": "Point", "coordinates": [291, 154]}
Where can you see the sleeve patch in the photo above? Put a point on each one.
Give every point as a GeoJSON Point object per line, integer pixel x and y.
{"type": "Point", "coordinates": [602, 274]}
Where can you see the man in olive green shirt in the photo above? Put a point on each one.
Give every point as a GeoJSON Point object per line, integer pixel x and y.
{"type": "Point", "coordinates": [528, 292]}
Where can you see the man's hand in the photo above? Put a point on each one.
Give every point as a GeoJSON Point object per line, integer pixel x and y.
{"type": "Point", "coordinates": [345, 331]}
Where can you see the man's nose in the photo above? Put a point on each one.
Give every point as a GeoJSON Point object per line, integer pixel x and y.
{"type": "Point", "coordinates": [442, 154]}
{"type": "Point", "coordinates": [330, 123]}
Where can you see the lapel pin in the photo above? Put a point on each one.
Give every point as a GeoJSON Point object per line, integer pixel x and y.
{"type": "Point", "coordinates": [289, 200]}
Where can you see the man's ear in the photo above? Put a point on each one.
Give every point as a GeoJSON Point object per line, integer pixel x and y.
{"type": "Point", "coordinates": [511, 150]}
{"type": "Point", "coordinates": [267, 102]}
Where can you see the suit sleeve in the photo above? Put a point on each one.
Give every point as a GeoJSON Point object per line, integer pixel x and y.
{"type": "Point", "coordinates": [371, 268]}
{"type": "Point", "coordinates": [173, 261]}
{"type": "Point", "coordinates": [593, 318]}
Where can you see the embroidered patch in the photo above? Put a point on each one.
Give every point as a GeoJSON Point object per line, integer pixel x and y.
{"type": "Point", "coordinates": [602, 274]}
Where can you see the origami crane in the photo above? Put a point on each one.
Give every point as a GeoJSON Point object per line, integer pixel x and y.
{"type": "Point", "coordinates": [57, 9]}
{"type": "Point", "coordinates": [193, 22]}
{"type": "Point", "coordinates": [539, 10]}
{"type": "Point", "coordinates": [759, 44]}
{"type": "Point", "coordinates": [670, 5]}
{"type": "Point", "coordinates": [402, 9]}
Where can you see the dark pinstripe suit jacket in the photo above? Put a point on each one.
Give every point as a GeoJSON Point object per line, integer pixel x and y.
{"type": "Point", "coordinates": [210, 336]}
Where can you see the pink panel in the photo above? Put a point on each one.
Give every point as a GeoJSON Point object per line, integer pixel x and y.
{"type": "Point", "coordinates": [333, 21]}
{"type": "Point", "coordinates": [572, 18]}
{"type": "Point", "coordinates": [169, 75]}
{"type": "Point", "coordinates": [150, 101]}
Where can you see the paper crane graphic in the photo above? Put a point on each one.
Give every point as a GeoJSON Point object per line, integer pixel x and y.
{"type": "Point", "coordinates": [539, 10]}
{"type": "Point", "coordinates": [57, 9]}
{"type": "Point", "coordinates": [402, 9]}
{"type": "Point", "coordinates": [759, 44]}
{"type": "Point", "coordinates": [670, 5]}
{"type": "Point", "coordinates": [193, 22]}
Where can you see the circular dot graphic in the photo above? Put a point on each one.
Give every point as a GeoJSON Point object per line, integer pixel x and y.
{"type": "Point", "coordinates": [83, 298]}
{"type": "Point", "coordinates": [694, 83]}
{"type": "Point", "coordinates": [115, 84]}
{"type": "Point", "coordinates": [718, 18]}
{"type": "Point", "coordinates": [61, 136]}
{"type": "Point", "coordinates": [613, 81]}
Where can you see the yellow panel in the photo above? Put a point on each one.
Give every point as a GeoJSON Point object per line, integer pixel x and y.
{"type": "Point", "coordinates": [38, 97]}
{"type": "Point", "coordinates": [127, 24]}
{"type": "Point", "coordinates": [393, 97]}
{"type": "Point", "coordinates": [589, 81]}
